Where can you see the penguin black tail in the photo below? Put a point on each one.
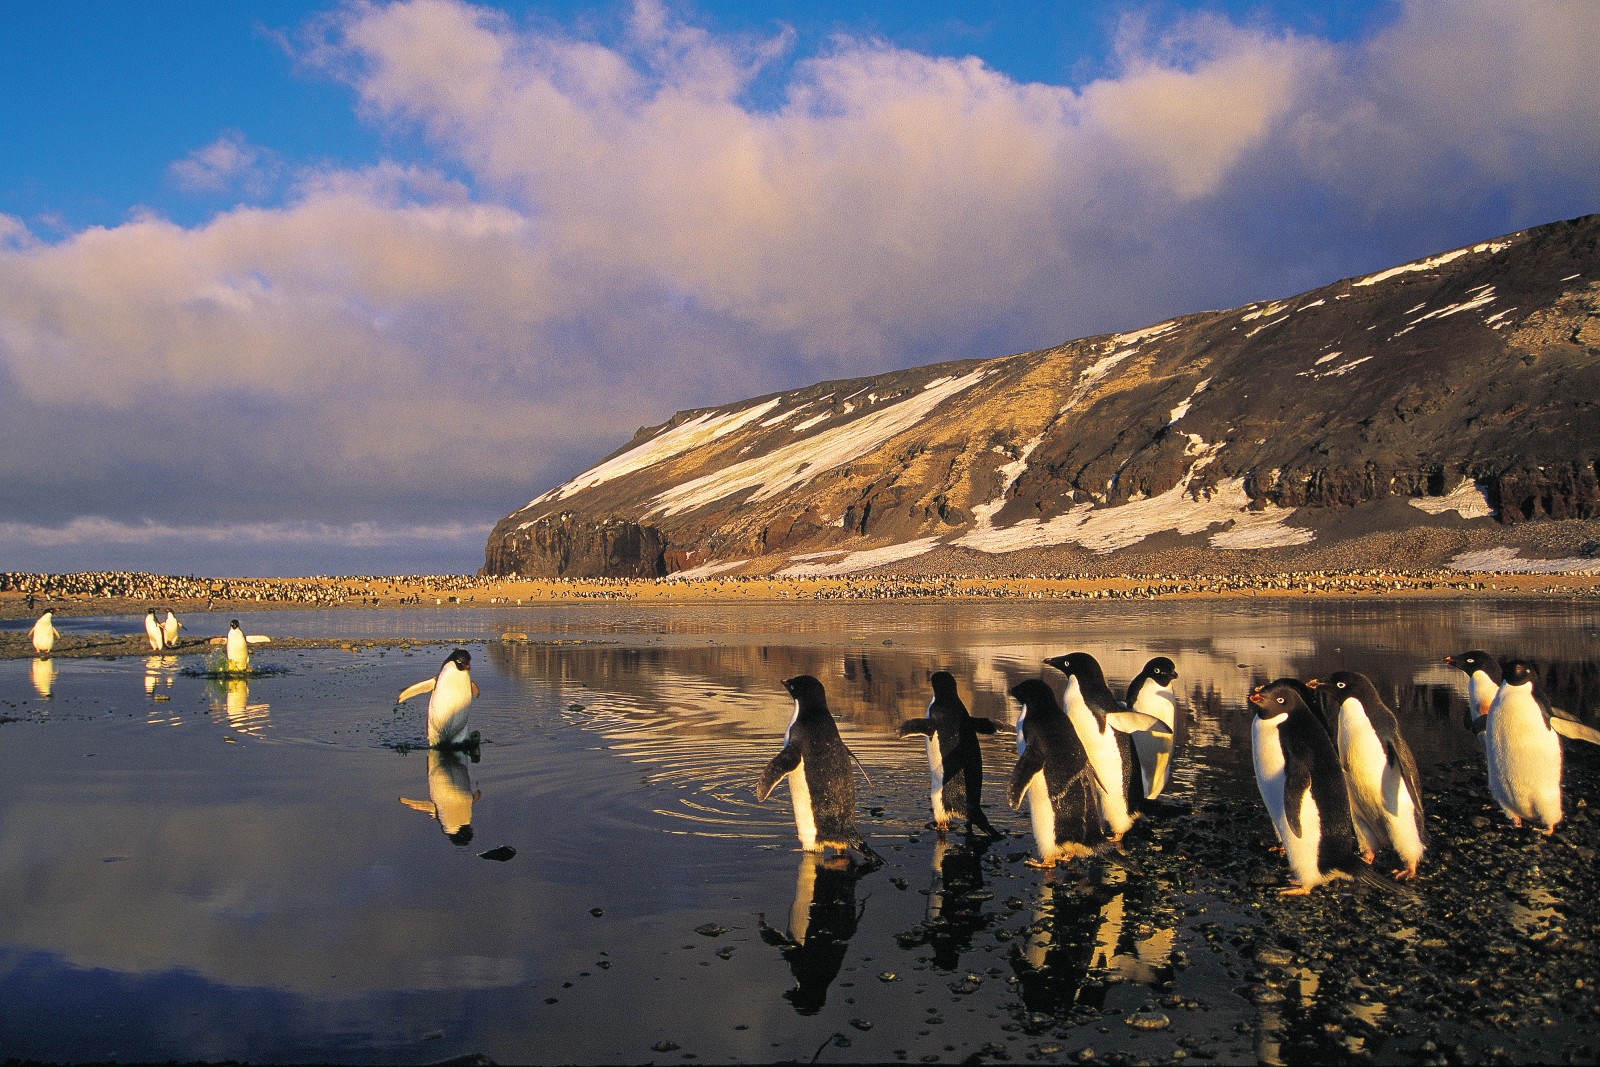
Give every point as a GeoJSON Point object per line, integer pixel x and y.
{"type": "Point", "coordinates": [981, 821]}
{"type": "Point", "coordinates": [1111, 853]}
{"type": "Point", "coordinates": [1364, 875]}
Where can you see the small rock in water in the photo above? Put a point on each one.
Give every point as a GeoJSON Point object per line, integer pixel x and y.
{"type": "Point", "coordinates": [710, 930]}
{"type": "Point", "coordinates": [503, 853]}
{"type": "Point", "coordinates": [1148, 1020]}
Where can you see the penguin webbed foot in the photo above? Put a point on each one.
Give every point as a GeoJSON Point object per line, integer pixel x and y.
{"type": "Point", "coordinates": [1295, 891]}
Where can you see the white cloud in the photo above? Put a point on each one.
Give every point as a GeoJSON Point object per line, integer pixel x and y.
{"type": "Point", "coordinates": [612, 230]}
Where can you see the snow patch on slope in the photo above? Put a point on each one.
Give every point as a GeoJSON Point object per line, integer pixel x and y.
{"type": "Point", "coordinates": [1509, 561]}
{"type": "Point", "coordinates": [1466, 499]}
{"type": "Point", "coordinates": [698, 431]}
{"type": "Point", "coordinates": [795, 464]}
{"type": "Point", "coordinates": [850, 562]}
{"type": "Point", "coordinates": [1432, 262]}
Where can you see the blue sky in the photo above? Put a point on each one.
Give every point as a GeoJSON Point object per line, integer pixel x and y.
{"type": "Point", "coordinates": [320, 288]}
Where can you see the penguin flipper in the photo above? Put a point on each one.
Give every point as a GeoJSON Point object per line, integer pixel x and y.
{"type": "Point", "coordinates": [985, 726]}
{"type": "Point", "coordinates": [780, 766]}
{"type": "Point", "coordinates": [917, 726]}
{"type": "Point", "coordinates": [1133, 722]}
{"type": "Point", "coordinates": [424, 686]}
{"type": "Point", "coordinates": [1029, 764]}
{"type": "Point", "coordinates": [1296, 785]}
{"type": "Point", "coordinates": [1569, 727]}
{"type": "Point", "coordinates": [1399, 755]}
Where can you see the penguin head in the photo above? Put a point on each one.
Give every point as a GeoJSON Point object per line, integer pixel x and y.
{"type": "Point", "coordinates": [1162, 669]}
{"type": "Point", "coordinates": [1343, 685]}
{"type": "Point", "coordinates": [1079, 665]}
{"type": "Point", "coordinates": [1034, 695]}
{"type": "Point", "coordinates": [1518, 672]}
{"type": "Point", "coordinates": [461, 658]}
{"type": "Point", "coordinates": [1474, 661]}
{"type": "Point", "coordinates": [1277, 698]}
{"type": "Point", "coordinates": [807, 692]}
{"type": "Point", "coordinates": [234, 625]}
{"type": "Point", "coordinates": [944, 684]}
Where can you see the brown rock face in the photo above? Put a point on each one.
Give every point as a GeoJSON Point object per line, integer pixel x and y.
{"type": "Point", "coordinates": [1476, 367]}
{"type": "Point", "coordinates": [570, 546]}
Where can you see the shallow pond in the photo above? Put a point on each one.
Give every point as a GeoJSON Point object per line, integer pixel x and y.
{"type": "Point", "coordinates": [268, 869]}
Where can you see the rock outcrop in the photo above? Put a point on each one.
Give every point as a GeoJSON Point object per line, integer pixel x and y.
{"type": "Point", "coordinates": [1466, 385]}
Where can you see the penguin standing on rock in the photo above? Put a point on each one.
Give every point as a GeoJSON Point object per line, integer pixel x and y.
{"type": "Point", "coordinates": [45, 635]}
{"type": "Point", "coordinates": [1298, 774]}
{"type": "Point", "coordinates": [452, 691]}
{"type": "Point", "coordinates": [1524, 752]}
{"type": "Point", "coordinates": [1054, 774]}
{"type": "Point", "coordinates": [955, 760]}
{"type": "Point", "coordinates": [816, 764]}
{"type": "Point", "coordinates": [1379, 769]}
{"type": "Point", "coordinates": [1103, 726]}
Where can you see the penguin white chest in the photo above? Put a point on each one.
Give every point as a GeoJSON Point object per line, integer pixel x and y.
{"type": "Point", "coordinates": [1524, 757]}
{"type": "Point", "coordinates": [1366, 764]}
{"type": "Point", "coordinates": [1267, 754]}
{"type": "Point", "coordinates": [447, 706]}
{"type": "Point", "coordinates": [238, 650]}
{"type": "Point", "coordinates": [805, 819]}
{"type": "Point", "coordinates": [1105, 756]}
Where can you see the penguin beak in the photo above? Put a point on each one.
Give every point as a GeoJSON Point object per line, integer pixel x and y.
{"type": "Point", "coordinates": [1314, 683]}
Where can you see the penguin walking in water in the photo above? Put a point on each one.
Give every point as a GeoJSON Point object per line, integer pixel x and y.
{"type": "Point", "coordinates": [955, 760]}
{"type": "Point", "coordinates": [152, 631]}
{"type": "Point", "coordinates": [452, 691]}
{"type": "Point", "coordinates": [236, 653]}
{"type": "Point", "coordinates": [1298, 774]}
{"type": "Point", "coordinates": [1379, 770]}
{"type": "Point", "coordinates": [1103, 726]}
{"type": "Point", "coordinates": [1524, 751]}
{"type": "Point", "coordinates": [816, 764]}
{"type": "Point", "coordinates": [1150, 693]}
{"type": "Point", "coordinates": [44, 634]}
{"type": "Point", "coordinates": [1054, 774]}
{"type": "Point", "coordinates": [169, 629]}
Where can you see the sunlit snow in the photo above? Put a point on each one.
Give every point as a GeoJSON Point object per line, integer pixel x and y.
{"type": "Point", "coordinates": [1504, 560]}
{"type": "Point", "coordinates": [1431, 263]}
{"type": "Point", "coordinates": [795, 464]}
{"type": "Point", "coordinates": [698, 431]}
{"type": "Point", "coordinates": [1466, 499]}
{"type": "Point", "coordinates": [851, 562]}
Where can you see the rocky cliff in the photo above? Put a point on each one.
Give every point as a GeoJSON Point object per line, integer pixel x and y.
{"type": "Point", "coordinates": [1439, 407]}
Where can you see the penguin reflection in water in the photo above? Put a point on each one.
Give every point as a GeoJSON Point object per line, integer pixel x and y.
{"type": "Point", "coordinates": [450, 796]}
{"type": "Point", "coordinates": [822, 921]}
{"type": "Point", "coordinates": [1303, 787]}
{"type": "Point", "coordinates": [816, 764]}
{"type": "Point", "coordinates": [452, 690]}
{"type": "Point", "coordinates": [955, 760]}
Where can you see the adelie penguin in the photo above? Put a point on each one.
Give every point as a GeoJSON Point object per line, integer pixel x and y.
{"type": "Point", "coordinates": [1303, 787]}
{"type": "Point", "coordinates": [1053, 773]}
{"type": "Point", "coordinates": [817, 766]}
{"type": "Point", "coordinates": [1379, 770]}
{"type": "Point", "coordinates": [1483, 685]}
{"type": "Point", "coordinates": [1150, 693]}
{"type": "Point", "coordinates": [955, 760]}
{"type": "Point", "coordinates": [44, 634]}
{"type": "Point", "coordinates": [1524, 751]}
{"type": "Point", "coordinates": [1103, 726]}
{"type": "Point", "coordinates": [153, 632]}
{"type": "Point", "coordinates": [236, 651]}
{"type": "Point", "coordinates": [452, 691]}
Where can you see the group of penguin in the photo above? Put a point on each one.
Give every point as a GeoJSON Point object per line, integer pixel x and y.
{"type": "Point", "coordinates": [162, 635]}
{"type": "Point", "coordinates": [1331, 765]}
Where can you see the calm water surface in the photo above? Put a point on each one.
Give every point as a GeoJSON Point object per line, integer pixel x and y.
{"type": "Point", "coordinates": [267, 870]}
